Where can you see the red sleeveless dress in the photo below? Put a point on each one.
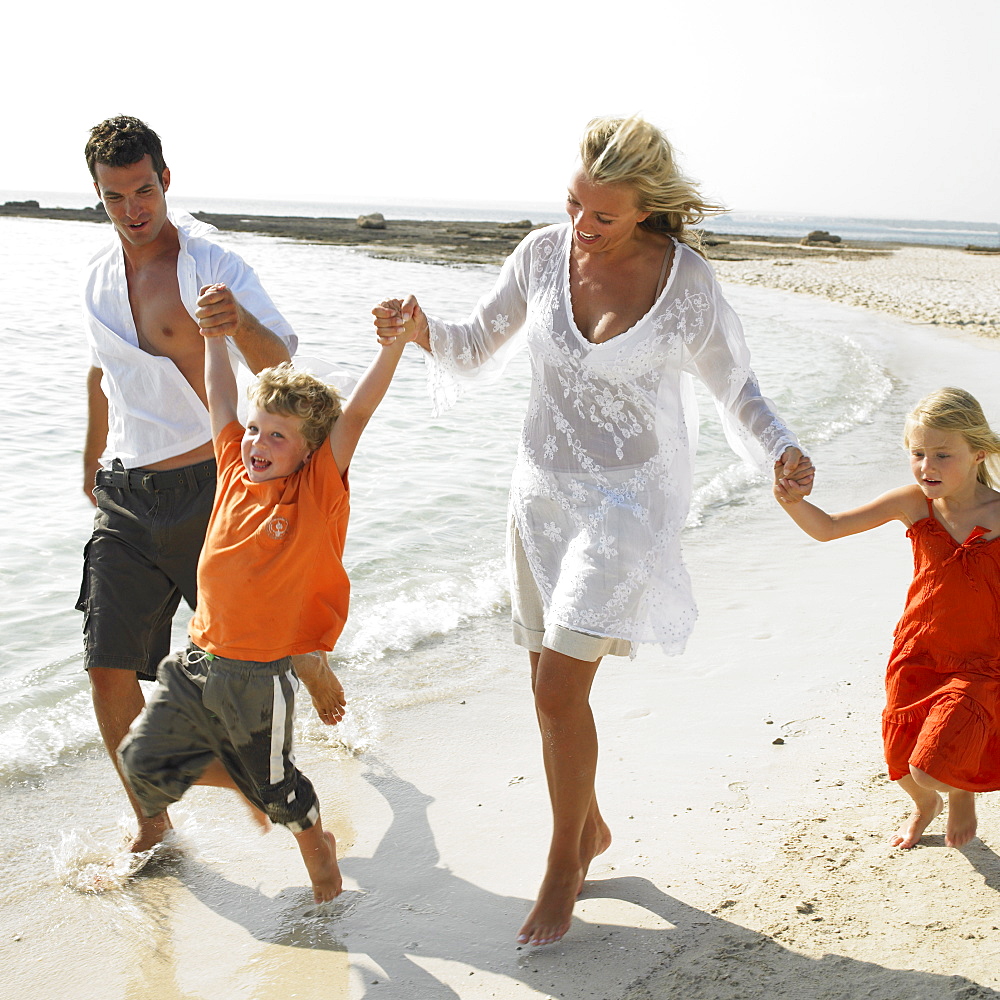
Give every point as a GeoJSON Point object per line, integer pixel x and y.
{"type": "Point", "coordinates": [942, 684]}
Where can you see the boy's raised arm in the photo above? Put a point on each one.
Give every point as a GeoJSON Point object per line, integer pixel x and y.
{"type": "Point", "coordinates": [220, 382]}
{"type": "Point", "coordinates": [364, 401]}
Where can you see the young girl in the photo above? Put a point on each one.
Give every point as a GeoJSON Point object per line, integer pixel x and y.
{"type": "Point", "coordinates": [941, 724]}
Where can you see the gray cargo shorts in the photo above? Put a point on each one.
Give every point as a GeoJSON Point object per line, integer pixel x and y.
{"type": "Point", "coordinates": [240, 711]}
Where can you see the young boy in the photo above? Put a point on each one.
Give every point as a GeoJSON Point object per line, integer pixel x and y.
{"type": "Point", "coordinates": [271, 584]}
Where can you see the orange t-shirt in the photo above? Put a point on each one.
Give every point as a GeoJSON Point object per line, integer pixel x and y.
{"type": "Point", "coordinates": [271, 580]}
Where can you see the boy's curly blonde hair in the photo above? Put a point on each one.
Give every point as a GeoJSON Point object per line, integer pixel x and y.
{"type": "Point", "coordinates": [284, 389]}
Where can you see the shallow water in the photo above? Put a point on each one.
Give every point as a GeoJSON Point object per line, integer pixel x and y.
{"type": "Point", "coordinates": [425, 547]}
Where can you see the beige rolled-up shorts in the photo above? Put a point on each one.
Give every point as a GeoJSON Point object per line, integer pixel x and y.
{"type": "Point", "coordinates": [527, 617]}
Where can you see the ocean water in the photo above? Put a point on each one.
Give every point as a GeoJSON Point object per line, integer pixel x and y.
{"type": "Point", "coordinates": [425, 546]}
{"type": "Point", "coordinates": [930, 231]}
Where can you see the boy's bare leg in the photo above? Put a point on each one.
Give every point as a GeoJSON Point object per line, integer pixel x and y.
{"type": "Point", "coordinates": [216, 776]}
{"type": "Point", "coordinates": [321, 682]}
{"type": "Point", "coordinates": [118, 700]}
{"type": "Point", "coordinates": [319, 852]}
{"type": "Point", "coordinates": [569, 749]}
{"type": "Point", "coordinates": [927, 807]}
{"type": "Point", "coordinates": [962, 822]}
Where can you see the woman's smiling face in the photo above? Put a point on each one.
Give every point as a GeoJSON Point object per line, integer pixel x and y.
{"type": "Point", "coordinates": [604, 216]}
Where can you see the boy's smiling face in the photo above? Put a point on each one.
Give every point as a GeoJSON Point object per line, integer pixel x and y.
{"type": "Point", "coordinates": [273, 445]}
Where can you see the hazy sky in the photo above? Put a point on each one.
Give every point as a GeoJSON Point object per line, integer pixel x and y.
{"type": "Point", "coordinates": [884, 108]}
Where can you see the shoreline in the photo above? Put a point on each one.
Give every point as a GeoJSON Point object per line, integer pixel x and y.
{"type": "Point", "coordinates": [946, 286]}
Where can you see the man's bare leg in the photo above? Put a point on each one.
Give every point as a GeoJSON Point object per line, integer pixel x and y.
{"type": "Point", "coordinates": [962, 821]}
{"type": "Point", "coordinates": [569, 750]}
{"type": "Point", "coordinates": [927, 806]}
{"type": "Point", "coordinates": [118, 700]}
{"type": "Point", "coordinates": [321, 682]}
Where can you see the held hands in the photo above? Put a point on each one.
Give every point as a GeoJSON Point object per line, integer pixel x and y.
{"type": "Point", "coordinates": [793, 476]}
{"type": "Point", "coordinates": [218, 312]}
{"type": "Point", "coordinates": [404, 318]}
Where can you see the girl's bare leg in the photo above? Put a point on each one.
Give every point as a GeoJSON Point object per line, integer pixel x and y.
{"type": "Point", "coordinates": [962, 820]}
{"type": "Point", "coordinates": [561, 685]}
{"type": "Point", "coordinates": [927, 806]}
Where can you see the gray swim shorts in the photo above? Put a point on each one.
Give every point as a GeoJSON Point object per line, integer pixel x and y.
{"type": "Point", "coordinates": [241, 712]}
{"type": "Point", "coordinates": [141, 559]}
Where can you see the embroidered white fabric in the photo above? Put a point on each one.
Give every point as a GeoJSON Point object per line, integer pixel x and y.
{"type": "Point", "coordinates": [602, 483]}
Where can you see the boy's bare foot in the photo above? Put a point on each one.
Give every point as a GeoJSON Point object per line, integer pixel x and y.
{"type": "Point", "coordinates": [319, 852]}
{"type": "Point", "coordinates": [924, 813]}
{"type": "Point", "coordinates": [325, 690]}
{"type": "Point", "coordinates": [552, 914]}
{"type": "Point", "coordinates": [961, 826]}
{"type": "Point", "coordinates": [152, 830]}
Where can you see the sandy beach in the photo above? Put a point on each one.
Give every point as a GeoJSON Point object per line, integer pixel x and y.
{"type": "Point", "coordinates": [743, 783]}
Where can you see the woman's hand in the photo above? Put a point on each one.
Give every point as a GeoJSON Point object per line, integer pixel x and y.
{"type": "Point", "coordinates": [401, 318]}
{"type": "Point", "coordinates": [794, 474]}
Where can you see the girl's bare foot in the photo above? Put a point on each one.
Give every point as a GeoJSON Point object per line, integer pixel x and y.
{"type": "Point", "coordinates": [961, 826]}
{"type": "Point", "coordinates": [925, 811]}
{"type": "Point", "coordinates": [552, 914]}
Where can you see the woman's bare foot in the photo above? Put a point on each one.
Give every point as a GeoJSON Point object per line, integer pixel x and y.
{"type": "Point", "coordinates": [961, 826]}
{"type": "Point", "coordinates": [594, 840]}
{"type": "Point", "coordinates": [152, 830]}
{"type": "Point", "coordinates": [925, 811]}
{"type": "Point", "coordinates": [319, 852]}
{"type": "Point", "coordinates": [552, 914]}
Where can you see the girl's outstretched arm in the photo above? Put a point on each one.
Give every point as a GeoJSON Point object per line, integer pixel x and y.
{"type": "Point", "coordinates": [904, 504]}
{"type": "Point", "coordinates": [364, 401]}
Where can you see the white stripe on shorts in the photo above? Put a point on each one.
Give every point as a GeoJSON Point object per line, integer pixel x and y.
{"type": "Point", "coordinates": [279, 712]}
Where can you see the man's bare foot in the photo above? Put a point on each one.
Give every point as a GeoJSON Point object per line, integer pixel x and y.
{"type": "Point", "coordinates": [152, 830]}
{"type": "Point", "coordinates": [324, 688]}
{"type": "Point", "coordinates": [961, 826]}
{"type": "Point", "coordinates": [552, 914]}
{"type": "Point", "coordinates": [319, 852]}
{"type": "Point", "coordinates": [924, 813]}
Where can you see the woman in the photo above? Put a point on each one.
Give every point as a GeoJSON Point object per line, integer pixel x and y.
{"type": "Point", "coordinates": [617, 309]}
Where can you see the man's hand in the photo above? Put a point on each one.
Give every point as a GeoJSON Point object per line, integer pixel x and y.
{"type": "Point", "coordinates": [218, 312]}
{"type": "Point", "coordinates": [321, 682]}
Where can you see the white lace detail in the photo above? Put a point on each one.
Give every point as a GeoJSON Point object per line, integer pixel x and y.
{"type": "Point", "coordinates": [603, 476]}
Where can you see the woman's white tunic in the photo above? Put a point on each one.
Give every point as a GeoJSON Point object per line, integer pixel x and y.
{"type": "Point", "coordinates": [602, 483]}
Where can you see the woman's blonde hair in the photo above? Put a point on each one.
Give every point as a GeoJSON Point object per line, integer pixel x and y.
{"type": "Point", "coordinates": [283, 389]}
{"type": "Point", "coordinates": [956, 411]}
{"type": "Point", "coordinates": [634, 152]}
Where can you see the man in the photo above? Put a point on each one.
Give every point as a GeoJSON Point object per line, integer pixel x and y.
{"type": "Point", "coordinates": [149, 442]}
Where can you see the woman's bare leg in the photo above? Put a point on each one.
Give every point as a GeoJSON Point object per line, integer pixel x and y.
{"type": "Point", "coordinates": [561, 685]}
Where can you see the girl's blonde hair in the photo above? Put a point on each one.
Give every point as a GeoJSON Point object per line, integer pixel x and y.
{"type": "Point", "coordinates": [634, 152]}
{"type": "Point", "coordinates": [957, 411]}
{"type": "Point", "coordinates": [283, 389]}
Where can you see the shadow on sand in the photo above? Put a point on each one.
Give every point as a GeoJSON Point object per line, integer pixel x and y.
{"type": "Point", "coordinates": [412, 912]}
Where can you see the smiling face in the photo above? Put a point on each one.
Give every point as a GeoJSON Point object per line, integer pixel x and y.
{"type": "Point", "coordinates": [273, 445]}
{"type": "Point", "coordinates": [943, 464]}
{"type": "Point", "coordinates": [604, 216]}
{"type": "Point", "coordinates": [134, 199]}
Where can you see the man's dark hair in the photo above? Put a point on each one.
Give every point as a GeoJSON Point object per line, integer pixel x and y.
{"type": "Point", "coordinates": [122, 141]}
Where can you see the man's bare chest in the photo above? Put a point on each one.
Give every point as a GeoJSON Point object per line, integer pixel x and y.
{"type": "Point", "coordinates": [162, 323]}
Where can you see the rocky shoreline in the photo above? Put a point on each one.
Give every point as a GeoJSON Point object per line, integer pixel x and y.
{"type": "Point", "coordinates": [941, 285]}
